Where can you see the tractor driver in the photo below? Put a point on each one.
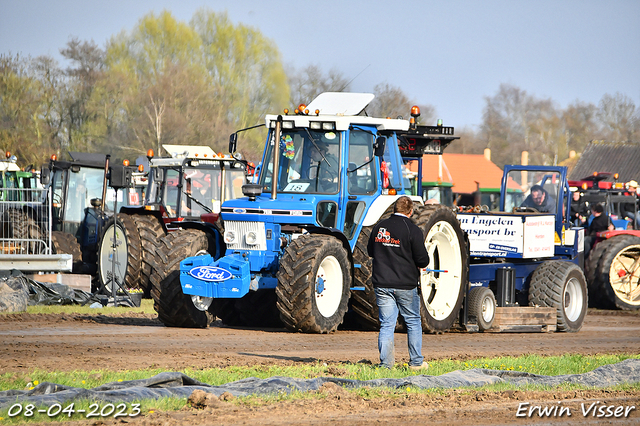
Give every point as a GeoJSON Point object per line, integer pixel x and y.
{"type": "Point", "coordinates": [324, 168]}
{"type": "Point", "coordinates": [540, 200]}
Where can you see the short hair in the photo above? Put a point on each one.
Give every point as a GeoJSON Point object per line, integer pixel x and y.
{"type": "Point", "coordinates": [598, 208]}
{"type": "Point", "coordinates": [537, 188]}
{"type": "Point", "coordinates": [403, 205]}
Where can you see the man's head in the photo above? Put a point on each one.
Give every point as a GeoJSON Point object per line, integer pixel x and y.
{"type": "Point", "coordinates": [598, 209]}
{"type": "Point", "coordinates": [538, 195]}
{"type": "Point", "coordinates": [576, 196]}
{"type": "Point", "coordinates": [404, 205]}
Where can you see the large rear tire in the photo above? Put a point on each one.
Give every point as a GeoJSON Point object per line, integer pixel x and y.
{"type": "Point", "coordinates": [63, 243]}
{"type": "Point", "coordinates": [126, 255]}
{"type": "Point", "coordinates": [561, 285]}
{"type": "Point", "coordinates": [313, 284]}
{"type": "Point", "coordinates": [150, 231]}
{"type": "Point", "coordinates": [442, 292]}
{"type": "Point", "coordinates": [22, 230]}
{"type": "Point", "coordinates": [618, 273]}
{"type": "Point", "coordinates": [363, 302]}
{"type": "Point", "coordinates": [174, 308]}
{"type": "Point", "coordinates": [596, 299]}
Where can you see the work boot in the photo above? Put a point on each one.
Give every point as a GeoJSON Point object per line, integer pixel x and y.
{"type": "Point", "coordinates": [423, 366]}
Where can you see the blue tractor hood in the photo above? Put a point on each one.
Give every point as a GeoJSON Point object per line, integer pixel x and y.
{"type": "Point", "coordinates": [287, 208]}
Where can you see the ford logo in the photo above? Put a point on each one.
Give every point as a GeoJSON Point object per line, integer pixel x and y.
{"type": "Point", "coordinates": [210, 273]}
{"type": "Point", "coordinates": [238, 210]}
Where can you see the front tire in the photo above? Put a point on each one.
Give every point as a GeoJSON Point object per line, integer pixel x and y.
{"type": "Point", "coordinates": [313, 284]}
{"type": "Point", "coordinates": [442, 292]}
{"type": "Point", "coordinates": [561, 285]}
{"type": "Point", "coordinates": [126, 255]}
{"type": "Point", "coordinates": [174, 308]}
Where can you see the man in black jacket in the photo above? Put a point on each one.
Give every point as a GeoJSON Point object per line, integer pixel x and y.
{"type": "Point", "coordinates": [397, 247]}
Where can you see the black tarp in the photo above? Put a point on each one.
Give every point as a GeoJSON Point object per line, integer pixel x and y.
{"type": "Point", "coordinates": [171, 384]}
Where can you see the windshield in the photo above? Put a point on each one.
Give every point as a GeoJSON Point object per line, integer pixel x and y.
{"type": "Point", "coordinates": [537, 190]}
{"type": "Point", "coordinates": [309, 162]}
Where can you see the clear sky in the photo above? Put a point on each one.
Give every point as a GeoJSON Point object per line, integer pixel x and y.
{"type": "Point", "coordinates": [449, 54]}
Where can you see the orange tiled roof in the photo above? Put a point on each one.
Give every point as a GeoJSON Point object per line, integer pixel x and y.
{"type": "Point", "coordinates": [462, 170]}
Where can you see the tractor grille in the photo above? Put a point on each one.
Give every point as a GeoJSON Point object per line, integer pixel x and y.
{"type": "Point", "coordinates": [241, 230]}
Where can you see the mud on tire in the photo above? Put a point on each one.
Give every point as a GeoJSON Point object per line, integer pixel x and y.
{"type": "Point", "coordinates": [150, 231]}
{"type": "Point", "coordinates": [313, 284]}
{"type": "Point", "coordinates": [63, 243]}
{"type": "Point", "coordinates": [174, 308]}
{"type": "Point", "coordinates": [561, 285]}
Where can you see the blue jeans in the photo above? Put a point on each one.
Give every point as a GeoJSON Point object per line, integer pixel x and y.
{"type": "Point", "coordinates": [391, 301]}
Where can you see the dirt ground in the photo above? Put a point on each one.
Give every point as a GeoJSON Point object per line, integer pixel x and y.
{"type": "Point", "coordinates": [131, 341]}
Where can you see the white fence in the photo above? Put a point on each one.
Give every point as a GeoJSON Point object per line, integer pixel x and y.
{"type": "Point", "coordinates": [25, 232]}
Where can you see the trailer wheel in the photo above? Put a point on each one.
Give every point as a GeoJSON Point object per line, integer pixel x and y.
{"type": "Point", "coordinates": [482, 305]}
{"type": "Point", "coordinates": [63, 243]}
{"type": "Point", "coordinates": [442, 292]}
{"type": "Point", "coordinates": [126, 255]}
{"type": "Point", "coordinates": [313, 284]}
{"type": "Point", "coordinates": [150, 230]}
{"type": "Point", "coordinates": [174, 308]}
{"type": "Point", "coordinates": [618, 272]}
{"type": "Point", "coordinates": [561, 285]}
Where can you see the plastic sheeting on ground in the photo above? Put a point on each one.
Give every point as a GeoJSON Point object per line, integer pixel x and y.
{"type": "Point", "coordinates": [179, 385]}
{"type": "Point", "coordinates": [17, 291]}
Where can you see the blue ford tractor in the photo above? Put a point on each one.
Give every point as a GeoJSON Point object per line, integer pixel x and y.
{"type": "Point", "coordinates": [294, 248]}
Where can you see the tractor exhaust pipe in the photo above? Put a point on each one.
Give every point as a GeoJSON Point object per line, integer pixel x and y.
{"type": "Point", "coordinates": [276, 157]}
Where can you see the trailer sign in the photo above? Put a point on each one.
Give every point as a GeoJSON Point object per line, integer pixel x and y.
{"type": "Point", "coordinates": [507, 236]}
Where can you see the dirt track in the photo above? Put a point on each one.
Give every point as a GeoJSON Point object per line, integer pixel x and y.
{"type": "Point", "coordinates": [131, 341]}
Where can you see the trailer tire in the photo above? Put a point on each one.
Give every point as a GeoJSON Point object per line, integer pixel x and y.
{"type": "Point", "coordinates": [306, 301]}
{"type": "Point", "coordinates": [617, 273]}
{"type": "Point", "coordinates": [561, 285]}
{"type": "Point", "coordinates": [63, 243]}
{"type": "Point", "coordinates": [482, 305]}
{"type": "Point", "coordinates": [442, 292]}
{"type": "Point", "coordinates": [126, 256]}
{"type": "Point", "coordinates": [150, 231]}
{"type": "Point", "coordinates": [174, 308]}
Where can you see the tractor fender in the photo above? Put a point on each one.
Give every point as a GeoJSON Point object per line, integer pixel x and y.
{"type": "Point", "coordinates": [381, 204]}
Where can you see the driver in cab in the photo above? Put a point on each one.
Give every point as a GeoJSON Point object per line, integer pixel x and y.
{"type": "Point", "coordinates": [540, 200]}
{"type": "Point", "coordinates": [324, 168]}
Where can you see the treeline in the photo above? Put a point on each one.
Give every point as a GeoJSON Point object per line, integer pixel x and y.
{"type": "Point", "coordinates": [171, 82]}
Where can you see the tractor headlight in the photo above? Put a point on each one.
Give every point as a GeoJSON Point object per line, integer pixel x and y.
{"type": "Point", "coordinates": [251, 238]}
{"type": "Point", "coordinates": [229, 237]}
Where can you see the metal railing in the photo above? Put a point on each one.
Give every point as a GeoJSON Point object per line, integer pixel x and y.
{"type": "Point", "coordinates": [25, 221]}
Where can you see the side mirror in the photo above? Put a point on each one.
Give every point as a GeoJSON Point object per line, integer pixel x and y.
{"type": "Point", "coordinates": [233, 142]}
{"type": "Point", "coordinates": [378, 147]}
{"type": "Point", "coordinates": [45, 175]}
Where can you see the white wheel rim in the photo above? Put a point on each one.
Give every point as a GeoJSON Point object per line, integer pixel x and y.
{"type": "Point", "coordinates": [108, 256]}
{"type": "Point", "coordinates": [442, 287]}
{"type": "Point", "coordinates": [488, 309]}
{"type": "Point", "coordinates": [328, 286]}
{"type": "Point", "coordinates": [624, 275]}
{"type": "Point", "coordinates": [572, 299]}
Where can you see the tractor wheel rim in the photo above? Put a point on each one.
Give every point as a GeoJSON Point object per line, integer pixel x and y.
{"type": "Point", "coordinates": [624, 275]}
{"type": "Point", "coordinates": [572, 300]}
{"type": "Point", "coordinates": [440, 290]}
{"type": "Point", "coordinates": [328, 286]}
{"type": "Point", "coordinates": [201, 303]}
